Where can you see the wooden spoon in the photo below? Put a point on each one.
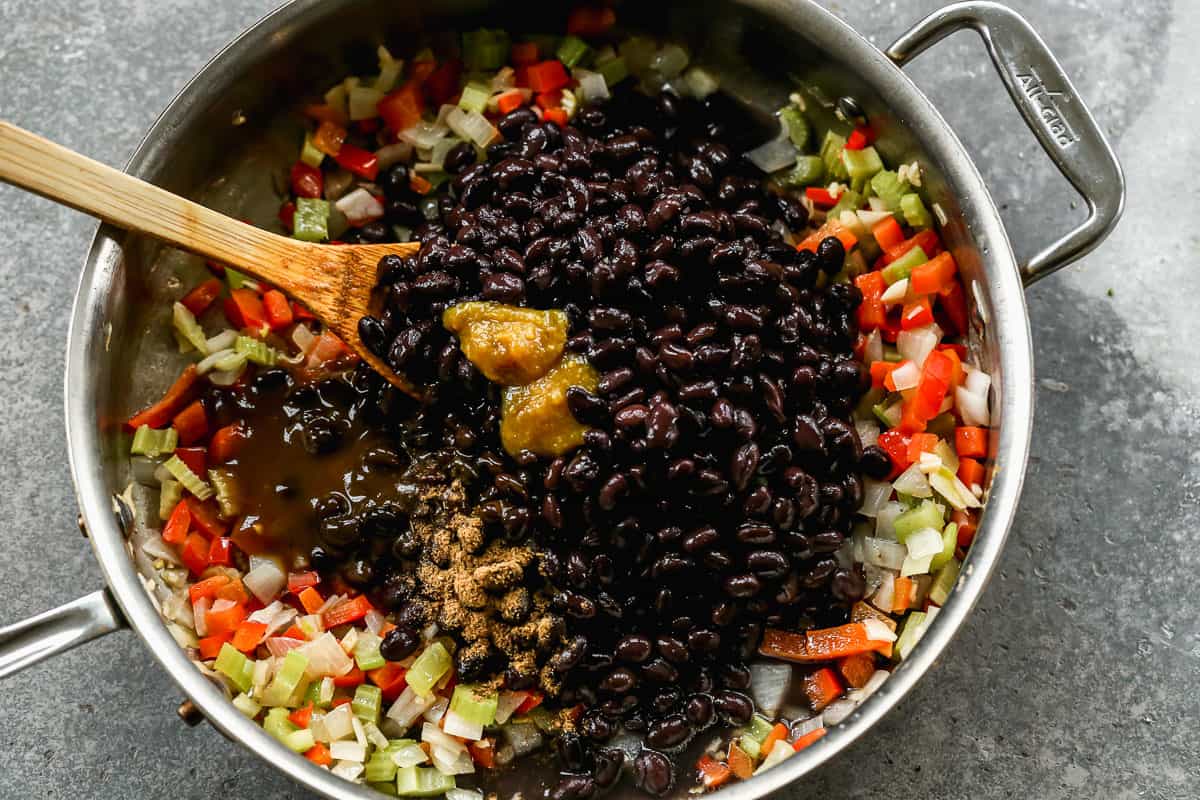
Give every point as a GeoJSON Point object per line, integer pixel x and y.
{"type": "Point", "coordinates": [334, 282]}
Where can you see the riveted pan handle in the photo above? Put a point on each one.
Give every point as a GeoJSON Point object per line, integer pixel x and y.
{"type": "Point", "coordinates": [55, 631]}
{"type": "Point", "coordinates": [1051, 107]}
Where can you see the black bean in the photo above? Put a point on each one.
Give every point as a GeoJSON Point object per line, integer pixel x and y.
{"type": "Point", "coordinates": [634, 648]}
{"type": "Point", "coordinates": [653, 773]}
{"type": "Point", "coordinates": [734, 707]}
{"type": "Point", "coordinates": [668, 732]}
{"type": "Point", "coordinates": [399, 643]}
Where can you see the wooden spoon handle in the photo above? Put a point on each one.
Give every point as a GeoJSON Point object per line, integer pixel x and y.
{"type": "Point", "coordinates": [31, 162]}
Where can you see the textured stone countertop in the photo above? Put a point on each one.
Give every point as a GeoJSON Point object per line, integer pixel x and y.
{"type": "Point", "coordinates": [1072, 679]}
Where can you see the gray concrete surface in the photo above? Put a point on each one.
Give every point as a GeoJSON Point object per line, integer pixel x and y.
{"type": "Point", "coordinates": [1073, 679]}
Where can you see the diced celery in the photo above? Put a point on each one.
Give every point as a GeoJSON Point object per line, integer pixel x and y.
{"type": "Point", "coordinates": [797, 127]}
{"type": "Point", "coordinates": [428, 669]}
{"type": "Point", "coordinates": [902, 267]}
{"type": "Point", "coordinates": [169, 495]}
{"type": "Point", "coordinates": [366, 652]}
{"type": "Point", "coordinates": [235, 279]}
{"type": "Point", "coordinates": [485, 49]}
{"type": "Point", "coordinates": [422, 782]}
{"type": "Point", "coordinates": [849, 200]}
{"type": "Point", "coordinates": [367, 702]}
{"type": "Point", "coordinates": [190, 480]}
{"type": "Point", "coordinates": [311, 220]}
{"type": "Point", "coordinates": [946, 453]}
{"type": "Point", "coordinates": [949, 542]}
{"type": "Point", "coordinates": [831, 155]}
{"type": "Point", "coordinates": [927, 515]}
{"type": "Point", "coordinates": [299, 741]}
{"type": "Point", "coordinates": [189, 329]}
{"type": "Point", "coordinates": [862, 165]}
{"type": "Point", "coordinates": [149, 442]}
{"type": "Point", "coordinates": [915, 213]}
{"type": "Point", "coordinates": [911, 631]}
{"type": "Point", "coordinates": [809, 170]}
{"type": "Point", "coordinates": [388, 788]}
{"type": "Point", "coordinates": [759, 728]}
{"type": "Point", "coordinates": [235, 666]}
{"type": "Point", "coordinates": [943, 581]}
{"type": "Point", "coordinates": [889, 187]}
{"type": "Point", "coordinates": [614, 71]}
{"type": "Point", "coordinates": [637, 52]}
{"type": "Point", "coordinates": [572, 50]}
{"type": "Point", "coordinates": [474, 97]}
{"type": "Point", "coordinates": [224, 487]}
{"type": "Point", "coordinates": [947, 484]}
{"type": "Point", "coordinates": [889, 414]}
{"type": "Point", "coordinates": [287, 679]}
{"type": "Point", "coordinates": [380, 768]}
{"type": "Point", "coordinates": [313, 695]}
{"type": "Point", "coordinates": [309, 153]}
{"type": "Point", "coordinates": [245, 704]}
{"type": "Point", "coordinates": [256, 350]}
{"type": "Point", "coordinates": [277, 723]}
{"type": "Point", "coordinates": [753, 747]}
{"type": "Point", "coordinates": [942, 426]}
{"type": "Point", "coordinates": [474, 704]}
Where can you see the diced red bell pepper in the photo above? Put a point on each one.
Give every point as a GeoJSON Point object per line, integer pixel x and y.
{"type": "Point", "coordinates": [966, 522]}
{"type": "Point", "coordinates": [509, 101]}
{"type": "Point", "coordinates": [225, 620]}
{"type": "Point", "coordinates": [319, 754]}
{"type": "Point", "coordinates": [547, 76]}
{"type": "Point", "coordinates": [191, 423]}
{"type": "Point", "coordinates": [927, 240]}
{"type": "Point", "coordinates": [830, 228]}
{"type": "Point", "coordinates": [921, 443]}
{"type": "Point", "coordinates": [194, 553]}
{"type": "Point", "coordinates": [523, 54]}
{"type": "Point", "coordinates": [226, 442]}
{"type": "Point", "coordinates": [808, 739]}
{"type": "Point", "coordinates": [235, 590]}
{"type": "Point", "coordinates": [206, 517]}
{"type": "Point", "coordinates": [301, 717]}
{"type": "Point", "coordinates": [916, 314]}
{"type": "Point", "coordinates": [278, 309]}
{"type": "Point", "coordinates": [443, 83]}
{"type": "Point", "coordinates": [351, 679]}
{"type": "Point", "coordinates": [740, 763]}
{"type": "Point", "coordinates": [210, 646]}
{"type": "Point", "coordinates": [347, 611]}
{"type": "Point", "coordinates": [971, 441]}
{"type": "Point", "coordinates": [329, 138]}
{"type": "Point", "coordinates": [298, 581]}
{"type": "Point", "coordinates": [857, 669]}
{"type": "Point", "coordinates": [483, 753]}
{"type": "Point", "coordinates": [934, 275]}
{"type": "Point", "coordinates": [178, 524]}
{"type": "Point", "coordinates": [293, 632]}
{"type": "Point", "coordinates": [323, 112]}
{"type": "Point", "coordinates": [888, 233]}
{"type": "Point", "coordinates": [871, 313]}
{"type": "Point", "coordinates": [287, 215]}
{"type": "Point", "coordinates": [244, 309]}
{"type": "Point", "coordinates": [821, 197]}
{"type": "Point", "coordinates": [194, 457]}
{"type": "Point", "coordinates": [532, 701]}
{"type": "Point", "coordinates": [590, 20]}
{"type": "Point", "coordinates": [220, 553]}
{"type": "Point", "coordinates": [970, 472]}
{"type": "Point", "coordinates": [247, 636]}
{"type": "Point", "coordinates": [402, 108]}
{"type": "Point", "coordinates": [821, 688]}
{"type": "Point", "coordinates": [207, 588]}
{"type": "Point", "coordinates": [361, 162]}
{"type": "Point", "coordinates": [311, 600]}
{"type": "Point", "coordinates": [881, 372]}
{"type": "Point", "coordinates": [178, 396]}
{"type": "Point", "coordinates": [307, 180]}
{"type": "Point", "coordinates": [857, 140]}
{"type": "Point", "coordinates": [953, 301]}
{"type": "Point", "coordinates": [201, 297]}
{"type": "Point", "coordinates": [301, 313]}
{"type": "Point", "coordinates": [368, 126]}
{"type": "Point", "coordinates": [713, 773]}
{"type": "Point", "coordinates": [390, 680]}
{"type": "Point", "coordinates": [937, 375]}
{"type": "Point", "coordinates": [895, 444]}
{"type": "Point", "coordinates": [556, 115]}
{"type": "Point", "coordinates": [549, 100]}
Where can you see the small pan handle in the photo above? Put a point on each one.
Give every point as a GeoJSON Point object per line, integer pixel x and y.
{"type": "Point", "coordinates": [1051, 107]}
{"type": "Point", "coordinates": [55, 631]}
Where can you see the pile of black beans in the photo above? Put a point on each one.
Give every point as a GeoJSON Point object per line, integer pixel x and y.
{"type": "Point", "coordinates": [721, 472]}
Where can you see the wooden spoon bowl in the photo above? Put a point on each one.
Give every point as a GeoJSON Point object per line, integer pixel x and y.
{"type": "Point", "coordinates": [336, 282]}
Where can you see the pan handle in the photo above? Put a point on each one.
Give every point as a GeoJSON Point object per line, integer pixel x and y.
{"type": "Point", "coordinates": [1052, 109]}
{"type": "Point", "coordinates": [58, 630]}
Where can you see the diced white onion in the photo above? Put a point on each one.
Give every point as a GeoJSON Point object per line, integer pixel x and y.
{"type": "Point", "coordinates": [473, 126]}
{"type": "Point", "coordinates": [265, 581]}
{"type": "Point", "coordinates": [348, 751]}
{"type": "Point", "coordinates": [877, 631]}
{"type": "Point", "coordinates": [973, 408]}
{"type": "Point", "coordinates": [436, 737]}
{"type": "Point", "coordinates": [209, 362]}
{"type": "Point", "coordinates": [592, 86]}
{"type": "Point", "coordinates": [925, 542]}
{"type": "Point", "coordinates": [339, 723]}
{"type": "Point", "coordinates": [885, 595]}
{"type": "Point", "coordinates": [885, 520]}
{"type": "Point", "coordinates": [809, 725]}
{"type": "Point", "coordinates": [883, 553]}
{"type": "Point", "coordinates": [915, 566]}
{"type": "Point", "coordinates": [895, 293]}
{"type": "Point", "coordinates": [775, 154]}
{"type": "Point", "coordinates": [360, 206]}
{"type": "Point", "coordinates": [423, 135]}
{"type": "Point", "coordinates": [228, 377]}
{"type": "Point", "coordinates": [877, 679]}
{"type": "Point", "coordinates": [781, 751]}
{"type": "Point", "coordinates": [374, 621]}
{"type": "Point", "coordinates": [917, 344]}
{"type": "Point", "coordinates": [409, 706]}
{"type": "Point", "coordinates": [769, 682]}
{"type": "Point", "coordinates": [868, 431]}
{"type": "Point", "coordinates": [391, 154]}
{"type": "Point", "coordinates": [360, 733]}
{"type": "Point", "coordinates": [262, 674]}
{"type": "Point", "coordinates": [411, 755]}
{"type": "Point", "coordinates": [873, 351]}
{"type": "Point", "coordinates": [375, 736]}
{"type": "Point", "coordinates": [700, 83]}
{"type": "Point", "coordinates": [876, 203]}
{"type": "Point", "coordinates": [455, 725]}
{"type": "Point", "coordinates": [436, 711]}
{"type": "Point", "coordinates": [348, 770]}
{"type": "Point", "coordinates": [913, 482]}
{"type": "Point", "coordinates": [326, 657]}
{"type": "Point", "coordinates": [282, 645]}
{"type": "Point", "coordinates": [875, 495]}
{"type": "Point", "coordinates": [464, 794]}
{"type": "Point", "coordinates": [873, 217]}
{"type": "Point", "coordinates": [523, 737]}
{"type": "Point", "coordinates": [507, 703]}
{"type": "Point", "coordinates": [223, 340]}
{"type": "Point", "coordinates": [838, 710]}
{"type": "Point", "coordinates": [906, 376]}
{"type": "Point", "coordinates": [451, 763]}
{"type": "Point", "coordinates": [978, 381]}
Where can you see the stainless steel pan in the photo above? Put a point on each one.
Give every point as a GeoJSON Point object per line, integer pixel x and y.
{"type": "Point", "coordinates": [232, 120]}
